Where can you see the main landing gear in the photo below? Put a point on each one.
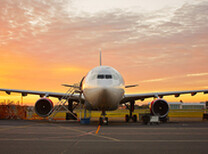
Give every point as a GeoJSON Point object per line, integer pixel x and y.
{"type": "Point", "coordinates": [70, 116]}
{"type": "Point", "coordinates": [131, 109]}
{"type": "Point", "coordinates": [103, 119]}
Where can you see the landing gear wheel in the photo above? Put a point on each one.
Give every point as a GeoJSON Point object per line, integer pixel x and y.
{"type": "Point", "coordinates": [146, 119]}
{"type": "Point", "coordinates": [106, 120]}
{"type": "Point", "coordinates": [101, 121]}
{"type": "Point", "coordinates": [70, 116]}
{"type": "Point", "coordinates": [127, 118]}
{"type": "Point", "coordinates": [75, 118]}
{"type": "Point", "coordinates": [134, 118]}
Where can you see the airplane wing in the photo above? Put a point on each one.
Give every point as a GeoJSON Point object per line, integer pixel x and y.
{"type": "Point", "coordinates": [142, 96]}
{"type": "Point", "coordinates": [40, 93]}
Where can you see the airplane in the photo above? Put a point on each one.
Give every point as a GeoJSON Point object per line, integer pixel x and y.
{"type": "Point", "coordinates": [103, 89]}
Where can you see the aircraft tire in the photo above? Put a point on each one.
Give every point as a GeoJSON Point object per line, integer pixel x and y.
{"type": "Point", "coordinates": [106, 120]}
{"type": "Point", "coordinates": [127, 118]}
{"type": "Point", "coordinates": [100, 121]}
{"type": "Point", "coordinates": [134, 118]}
{"type": "Point", "coordinates": [75, 118]}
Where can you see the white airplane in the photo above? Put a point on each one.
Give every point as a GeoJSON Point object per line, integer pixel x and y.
{"type": "Point", "coordinates": [103, 89]}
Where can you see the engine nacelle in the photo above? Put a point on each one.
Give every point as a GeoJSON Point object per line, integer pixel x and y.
{"type": "Point", "coordinates": [159, 107]}
{"type": "Point", "coordinates": [43, 107]}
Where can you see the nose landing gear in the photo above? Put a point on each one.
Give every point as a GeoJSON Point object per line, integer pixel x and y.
{"type": "Point", "coordinates": [103, 119]}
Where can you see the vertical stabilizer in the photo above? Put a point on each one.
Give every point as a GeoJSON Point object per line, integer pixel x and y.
{"type": "Point", "coordinates": [100, 58]}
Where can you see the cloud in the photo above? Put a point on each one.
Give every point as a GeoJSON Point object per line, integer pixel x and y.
{"type": "Point", "coordinates": [164, 40]}
{"type": "Point", "coordinates": [48, 23]}
{"type": "Point", "coordinates": [45, 43]}
{"type": "Point", "coordinates": [155, 80]}
{"type": "Point", "coordinates": [197, 74]}
{"type": "Point", "coordinates": [179, 77]}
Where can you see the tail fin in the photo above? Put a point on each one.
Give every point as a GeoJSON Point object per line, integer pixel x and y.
{"type": "Point", "coordinates": [100, 57]}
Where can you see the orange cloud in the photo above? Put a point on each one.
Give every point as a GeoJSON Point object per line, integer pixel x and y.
{"type": "Point", "coordinates": [43, 45]}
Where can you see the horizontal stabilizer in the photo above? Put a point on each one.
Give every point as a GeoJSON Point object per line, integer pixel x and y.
{"type": "Point", "coordinates": [131, 86]}
{"type": "Point", "coordinates": [73, 86]}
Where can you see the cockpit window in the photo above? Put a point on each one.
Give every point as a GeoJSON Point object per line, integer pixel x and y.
{"type": "Point", "coordinates": [100, 76]}
{"type": "Point", "coordinates": [108, 76]}
{"type": "Point", "coordinates": [115, 76]}
{"type": "Point", "coordinates": [93, 77]}
{"type": "Point", "coordinates": [104, 76]}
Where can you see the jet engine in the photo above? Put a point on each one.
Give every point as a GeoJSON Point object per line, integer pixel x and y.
{"type": "Point", "coordinates": [43, 107]}
{"type": "Point", "coordinates": [160, 108]}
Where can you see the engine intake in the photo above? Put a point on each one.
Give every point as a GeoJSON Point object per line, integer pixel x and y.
{"type": "Point", "coordinates": [159, 107]}
{"type": "Point", "coordinates": [43, 107]}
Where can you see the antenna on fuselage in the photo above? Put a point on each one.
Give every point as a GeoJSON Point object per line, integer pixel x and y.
{"type": "Point", "coordinates": [100, 57]}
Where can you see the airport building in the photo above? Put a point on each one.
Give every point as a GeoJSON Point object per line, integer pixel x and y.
{"type": "Point", "coordinates": [179, 105]}
{"type": "Point", "coordinates": [175, 105]}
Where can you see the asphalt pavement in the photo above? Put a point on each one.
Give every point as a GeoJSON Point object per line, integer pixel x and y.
{"type": "Point", "coordinates": [19, 136]}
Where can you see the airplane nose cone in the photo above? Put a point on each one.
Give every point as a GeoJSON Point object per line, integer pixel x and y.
{"type": "Point", "coordinates": [104, 98]}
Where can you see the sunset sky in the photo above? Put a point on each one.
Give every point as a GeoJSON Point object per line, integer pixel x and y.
{"type": "Point", "coordinates": [162, 45]}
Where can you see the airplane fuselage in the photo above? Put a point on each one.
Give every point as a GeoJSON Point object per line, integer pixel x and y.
{"type": "Point", "coordinates": [103, 88]}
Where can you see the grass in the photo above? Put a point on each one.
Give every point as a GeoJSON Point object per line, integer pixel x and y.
{"type": "Point", "coordinates": [186, 113]}
{"type": "Point", "coordinates": [172, 113]}
{"type": "Point", "coordinates": [120, 113]}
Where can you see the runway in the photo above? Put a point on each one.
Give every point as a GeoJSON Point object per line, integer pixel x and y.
{"type": "Point", "coordinates": [17, 136]}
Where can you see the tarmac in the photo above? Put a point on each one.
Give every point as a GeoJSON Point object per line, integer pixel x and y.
{"type": "Point", "coordinates": [22, 136]}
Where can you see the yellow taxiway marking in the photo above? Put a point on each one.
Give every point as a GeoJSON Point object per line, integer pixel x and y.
{"type": "Point", "coordinates": [98, 129]}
